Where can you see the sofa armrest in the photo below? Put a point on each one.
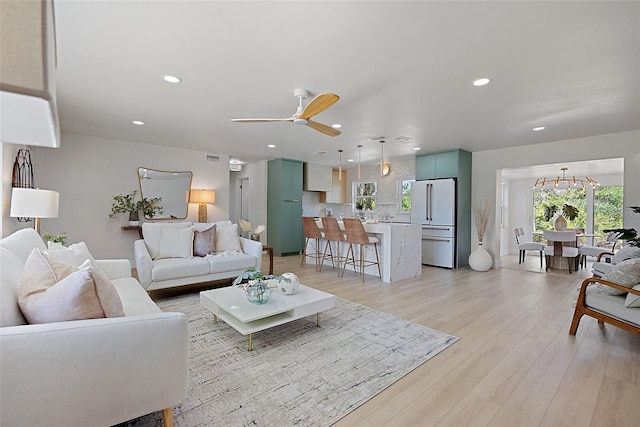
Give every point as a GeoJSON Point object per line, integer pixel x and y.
{"type": "Point", "coordinates": [92, 372]}
{"type": "Point", "coordinates": [252, 247]}
{"type": "Point", "coordinates": [143, 263]}
{"type": "Point", "coordinates": [115, 268]}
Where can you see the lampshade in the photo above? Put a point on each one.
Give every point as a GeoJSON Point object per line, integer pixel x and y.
{"type": "Point", "coordinates": [202, 196]}
{"type": "Point", "coordinates": [34, 203]}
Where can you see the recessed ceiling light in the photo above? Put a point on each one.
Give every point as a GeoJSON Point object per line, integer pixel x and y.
{"type": "Point", "coordinates": [416, 148]}
{"type": "Point", "coordinates": [137, 122]}
{"type": "Point", "coordinates": [539, 128]}
{"type": "Point", "coordinates": [171, 79]}
{"type": "Point", "coordinates": [481, 82]}
{"type": "Point", "coordinates": [349, 160]}
{"type": "Point", "coordinates": [336, 125]}
{"type": "Point", "coordinates": [271, 146]}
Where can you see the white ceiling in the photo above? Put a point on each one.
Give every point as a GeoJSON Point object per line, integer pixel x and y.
{"type": "Point", "coordinates": [400, 68]}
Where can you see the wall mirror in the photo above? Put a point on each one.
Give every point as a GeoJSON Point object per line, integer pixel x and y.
{"type": "Point", "coordinates": [172, 187]}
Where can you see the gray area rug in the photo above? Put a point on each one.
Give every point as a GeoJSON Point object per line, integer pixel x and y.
{"type": "Point", "coordinates": [297, 374]}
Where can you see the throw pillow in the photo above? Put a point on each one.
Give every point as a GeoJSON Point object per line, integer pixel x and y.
{"type": "Point", "coordinates": [52, 291]}
{"type": "Point", "coordinates": [633, 300]}
{"type": "Point", "coordinates": [74, 255]}
{"type": "Point", "coordinates": [227, 238]}
{"type": "Point", "coordinates": [204, 242]}
{"type": "Point", "coordinates": [176, 243]}
{"type": "Point", "coordinates": [626, 253]}
{"type": "Point", "coordinates": [626, 273]}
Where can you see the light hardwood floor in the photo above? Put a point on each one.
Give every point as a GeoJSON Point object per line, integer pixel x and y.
{"type": "Point", "coordinates": [515, 363]}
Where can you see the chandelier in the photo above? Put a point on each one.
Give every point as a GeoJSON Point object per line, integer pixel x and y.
{"type": "Point", "coordinates": [570, 182]}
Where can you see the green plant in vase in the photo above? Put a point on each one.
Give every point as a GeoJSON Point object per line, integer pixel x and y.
{"type": "Point", "coordinates": [567, 212]}
{"type": "Point", "coordinates": [126, 204]}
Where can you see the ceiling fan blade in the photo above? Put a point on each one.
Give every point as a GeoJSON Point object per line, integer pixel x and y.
{"type": "Point", "coordinates": [319, 104]}
{"type": "Point", "coordinates": [289, 119]}
{"type": "Point", "coordinates": [327, 130]}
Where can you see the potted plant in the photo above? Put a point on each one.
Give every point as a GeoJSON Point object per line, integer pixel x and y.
{"type": "Point", "coordinates": [256, 288]}
{"type": "Point", "coordinates": [126, 204]}
{"type": "Point", "coordinates": [628, 234]}
{"type": "Point", "coordinates": [568, 212]}
{"type": "Point", "coordinates": [60, 238]}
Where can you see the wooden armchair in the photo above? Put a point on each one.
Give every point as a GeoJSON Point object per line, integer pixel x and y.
{"type": "Point", "coordinates": [605, 308]}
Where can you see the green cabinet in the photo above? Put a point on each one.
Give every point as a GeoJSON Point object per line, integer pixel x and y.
{"type": "Point", "coordinates": [452, 164]}
{"type": "Point", "coordinates": [284, 206]}
{"type": "Point", "coordinates": [444, 164]}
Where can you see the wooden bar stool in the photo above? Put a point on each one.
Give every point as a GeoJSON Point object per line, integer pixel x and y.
{"type": "Point", "coordinates": [332, 233]}
{"type": "Point", "coordinates": [311, 231]}
{"type": "Point", "coordinates": [356, 235]}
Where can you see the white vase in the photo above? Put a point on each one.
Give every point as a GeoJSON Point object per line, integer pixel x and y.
{"type": "Point", "coordinates": [480, 259]}
{"type": "Point", "coordinates": [561, 223]}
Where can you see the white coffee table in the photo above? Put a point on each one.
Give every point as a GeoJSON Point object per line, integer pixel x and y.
{"type": "Point", "coordinates": [231, 305]}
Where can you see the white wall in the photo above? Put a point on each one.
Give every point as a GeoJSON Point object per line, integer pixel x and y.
{"type": "Point", "coordinates": [88, 171]}
{"type": "Point", "coordinates": [487, 166]}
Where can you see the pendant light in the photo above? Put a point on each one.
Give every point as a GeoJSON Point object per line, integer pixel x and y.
{"type": "Point", "coordinates": [382, 157]}
{"type": "Point", "coordinates": [359, 159]}
{"type": "Point", "coordinates": [340, 166]}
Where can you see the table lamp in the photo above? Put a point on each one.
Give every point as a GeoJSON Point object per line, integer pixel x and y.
{"type": "Point", "coordinates": [202, 197]}
{"type": "Point", "coordinates": [34, 203]}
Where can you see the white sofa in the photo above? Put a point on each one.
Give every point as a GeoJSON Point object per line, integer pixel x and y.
{"type": "Point", "coordinates": [95, 372]}
{"type": "Point", "coordinates": [160, 273]}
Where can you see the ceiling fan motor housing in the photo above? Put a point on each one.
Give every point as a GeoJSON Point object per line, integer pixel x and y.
{"type": "Point", "coordinates": [300, 93]}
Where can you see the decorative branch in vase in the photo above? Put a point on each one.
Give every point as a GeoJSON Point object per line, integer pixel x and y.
{"type": "Point", "coordinates": [480, 259]}
{"type": "Point", "coordinates": [481, 216]}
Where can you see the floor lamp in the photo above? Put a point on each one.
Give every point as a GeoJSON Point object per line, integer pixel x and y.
{"type": "Point", "coordinates": [34, 203]}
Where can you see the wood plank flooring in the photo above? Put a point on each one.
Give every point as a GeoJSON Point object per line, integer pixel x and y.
{"type": "Point", "coordinates": [515, 363]}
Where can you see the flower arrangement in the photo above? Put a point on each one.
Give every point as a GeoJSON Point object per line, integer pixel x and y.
{"type": "Point", "coordinates": [246, 227]}
{"type": "Point", "coordinates": [481, 216]}
{"type": "Point", "coordinates": [126, 204]}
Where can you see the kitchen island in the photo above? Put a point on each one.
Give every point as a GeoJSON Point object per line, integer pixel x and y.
{"type": "Point", "coordinates": [399, 250]}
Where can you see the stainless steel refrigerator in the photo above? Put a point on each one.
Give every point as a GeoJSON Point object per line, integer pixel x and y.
{"type": "Point", "coordinates": [433, 206]}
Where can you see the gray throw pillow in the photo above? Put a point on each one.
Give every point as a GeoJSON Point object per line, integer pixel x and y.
{"type": "Point", "coordinates": [204, 242]}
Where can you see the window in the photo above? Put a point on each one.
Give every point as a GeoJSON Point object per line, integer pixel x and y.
{"type": "Point", "coordinates": [544, 199]}
{"type": "Point", "coordinates": [599, 209]}
{"type": "Point", "coordinates": [607, 209]}
{"type": "Point", "coordinates": [365, 194]}
{"type": "Point", "coordinates": [404, 194]}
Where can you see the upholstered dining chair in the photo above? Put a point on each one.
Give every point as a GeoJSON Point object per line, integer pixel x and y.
{"type": "Point", "coordinates": [311, 233]}
{"type": "Point", "coordinates": [557, 247]}
{"type": "Point", "coordinates": [526, 243]}
{"type": "Point", "coordinates": [332, 234]}
{"type": "Point", "coordinates": [357, 235]}
{"type": "Point", "coordinates": [608, 246]}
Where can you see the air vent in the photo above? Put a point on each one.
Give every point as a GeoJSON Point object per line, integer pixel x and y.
{"type": "Point", "coordinates": [235, 167]}
{"type": "Point", "coordinates": [376, 138]}
{"type": "Point", "coordinates": [213, 159]}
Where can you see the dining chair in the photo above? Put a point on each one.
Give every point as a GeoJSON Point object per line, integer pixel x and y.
{"type": "Point", "coordinates": [311, 232]}
{"type": "Point", "coordinates": [357, 235]}
{"type": "Point", "coordinates": [607, 246]}
{"type": "Point", "coordinates": [526, 243]}
{"type": "Point", "coordinates": [557, 247]}
{"type": "Point", "coordinates": [332, 233]}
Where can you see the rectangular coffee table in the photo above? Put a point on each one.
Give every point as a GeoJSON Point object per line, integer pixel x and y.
{"type": "Point", "coordinates": [231, 305]}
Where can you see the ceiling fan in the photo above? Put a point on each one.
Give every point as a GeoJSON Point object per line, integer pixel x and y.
{"type": "Point", "coordinates": [302, 115]}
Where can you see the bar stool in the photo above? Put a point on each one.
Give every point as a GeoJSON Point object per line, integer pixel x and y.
{"type": "Point", "coordinates": [311, 231]}
{"type": "Point", "coordinates": [356, 235]}
{"type": "Point", "coordinates": [332, 233]}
